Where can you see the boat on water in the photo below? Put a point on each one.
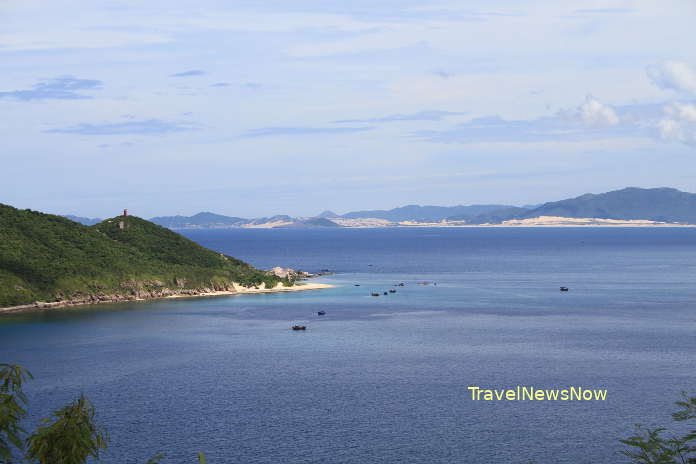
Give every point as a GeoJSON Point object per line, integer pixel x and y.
{"type": "Point", "coordinates": [375, 294]}
{"type": "Point", "coordinates": [299, 327]}
{"type": "Point", "coordinates": [321, 313]}
{"type": "Point", "coordinates": [564, 289]}
{"type": "Point", "coordinates": [392, 291]}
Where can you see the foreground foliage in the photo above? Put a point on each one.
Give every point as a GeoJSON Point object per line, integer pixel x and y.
{"type": "Point", "coordinates": [12, 402]}
{"type": "Point", "coordinates": [50, 258]}
{"type": "Point", "coordinates": [69, 437]}
{"type": "Point", "coordinates": [652, 446]}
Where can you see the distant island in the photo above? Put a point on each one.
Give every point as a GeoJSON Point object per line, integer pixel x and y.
{"type": "Point", "coordinates": [48, 260]}
{"type": "Point", "coordinates": [627, 207]}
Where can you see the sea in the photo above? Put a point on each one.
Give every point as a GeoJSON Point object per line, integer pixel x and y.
{"type": "Point", "coordinates": [386, 379]}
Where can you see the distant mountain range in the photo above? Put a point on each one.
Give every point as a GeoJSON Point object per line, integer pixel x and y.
{"type": "Point", "coordinates": [658, 204]}
{"type": "Point", "coordinates": [207, 220]}
{"type": "Point", "coordinates": [666, 205]}
{"type": "Point", "coordinates": [424, 213]}
{"type": "Point", "coordinates": [204, 219]}
{"type": "Point", "coordinates": [83, 220]}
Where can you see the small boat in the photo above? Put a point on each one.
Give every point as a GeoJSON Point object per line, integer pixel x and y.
{"type": "Point", "coordinates": [321, 313]}
{"type": "Point", "coordinates": [392, 291]}
{"type": "Point", "coordinates": [386, 293]}
{"type": "Point", "coordinates": [401, 284]}
{"type": "Point", "coordinates": [375, 294]}
{"type": "Point", "coordinates": [299, 327]}
{"type": "Point", "coordinates": [564, 289]}
{"type": "Point", "coordinates": [357, 285]}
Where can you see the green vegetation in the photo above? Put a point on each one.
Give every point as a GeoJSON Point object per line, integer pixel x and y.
{"type": "Point", "coordinates": [50, 258]}
{"type": "Point", "coordinates": [651, 446]}
{"type": "Point", "coordinates": [12, 402]}
{"type": "Point", "coordinates": [70, 437]}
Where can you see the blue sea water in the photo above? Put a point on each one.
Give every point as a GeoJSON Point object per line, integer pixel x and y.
{"type": "Point", "coordinates": [384, 379]}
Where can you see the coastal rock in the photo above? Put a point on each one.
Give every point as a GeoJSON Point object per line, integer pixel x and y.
{"type": "Point", "coordinates": [283, 273]}
{"type": "Point", "coordinates": [293, 275]}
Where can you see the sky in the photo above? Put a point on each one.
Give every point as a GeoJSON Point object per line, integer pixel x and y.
{"type": "Point", "coordinates": [255, 108]}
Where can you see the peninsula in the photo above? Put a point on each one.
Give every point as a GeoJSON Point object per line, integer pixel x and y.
{"type": "Point", "coordinates": [48, 261]}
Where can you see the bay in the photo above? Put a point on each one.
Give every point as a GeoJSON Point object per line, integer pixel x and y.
{"type": "Point", "coordinates": [384, 379]}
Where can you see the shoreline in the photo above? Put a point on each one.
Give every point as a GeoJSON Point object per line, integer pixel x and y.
{"type": "Point", "coordinates": [441, 225]}
{"type": "Point", "coordinates": [512, 226]}
{"type": "Point", "coordinates": [238, 290]}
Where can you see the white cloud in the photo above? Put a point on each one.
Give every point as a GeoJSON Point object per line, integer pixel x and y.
{"type": "Point", "coordinates": [679, 123]}
{"type": "Point", "coordinates": [597, 114]}
{"type": "Point", "coordinates": [683, 111]}
{"type": "Point", "coordinates": [592, 114]}
{"type": "Point", "coordinates": [673, 75]}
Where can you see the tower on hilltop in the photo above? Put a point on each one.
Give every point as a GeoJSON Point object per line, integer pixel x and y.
{"type": "Point", "coordinates": [122, 224]}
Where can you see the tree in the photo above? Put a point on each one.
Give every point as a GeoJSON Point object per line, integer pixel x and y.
{"type": "Point", "coordinates": [70, 438]}
{"type": "Point", "coordinates": [12, 402]}
{"type": "Point", "coordinates": [650, 446]}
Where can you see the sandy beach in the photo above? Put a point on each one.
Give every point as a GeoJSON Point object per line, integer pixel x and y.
{"type": "Point", "coordinates": [540, 221]}
{"type": "Point", "coordinates": [241, 290]}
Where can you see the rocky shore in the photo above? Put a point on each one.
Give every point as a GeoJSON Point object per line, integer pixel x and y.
{"type": "Point", "coordinates": [294, 275]}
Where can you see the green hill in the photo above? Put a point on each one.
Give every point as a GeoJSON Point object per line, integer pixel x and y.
{"type": "Point", "coordinates": [50, 258]}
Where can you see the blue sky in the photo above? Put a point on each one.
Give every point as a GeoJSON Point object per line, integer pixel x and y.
{"type": "Point", "coordinates": [254, 108]}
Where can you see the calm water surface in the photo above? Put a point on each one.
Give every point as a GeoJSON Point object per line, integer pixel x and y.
{"type": "Point", "coordinates": [383, 379]}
